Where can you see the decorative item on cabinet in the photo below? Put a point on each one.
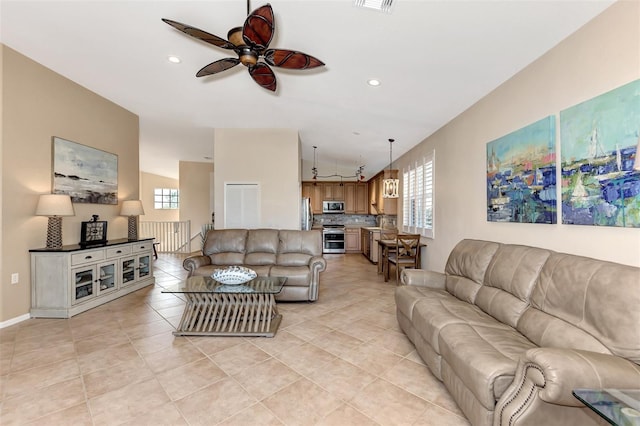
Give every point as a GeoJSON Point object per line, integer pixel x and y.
{"type": "Point", "coordinates": [93, 232]}
{"type": "Point", "coordinates": [54, 206]}
{"type": "Point", "coordinates": [132, 209]}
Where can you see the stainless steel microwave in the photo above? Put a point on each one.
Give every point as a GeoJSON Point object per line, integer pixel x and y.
{"type": "Point", "coordinates": [332, 207]}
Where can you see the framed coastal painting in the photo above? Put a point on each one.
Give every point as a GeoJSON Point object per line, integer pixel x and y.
{"type": "Point", "coordinates": [599, 139]}
{"type": "Point", "coordinates": [86, 174]}
{"type": "Point", "coordinates": [521, 175]}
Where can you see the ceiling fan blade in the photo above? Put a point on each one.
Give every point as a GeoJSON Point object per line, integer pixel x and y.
{"type": "Point", "coordinates": [259, 28]}
{"type": "Point", "coordinates": [199, 34]}
{"type": "Point", "coordinates": [291, 59]}
{"type": "Point", "coordinates": [263, 75]}
{"type": "Point", "coordinates": [218, 66]}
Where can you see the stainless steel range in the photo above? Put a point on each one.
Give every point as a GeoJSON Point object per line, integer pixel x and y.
{"type": "Point", "coordinates": [333, 239]}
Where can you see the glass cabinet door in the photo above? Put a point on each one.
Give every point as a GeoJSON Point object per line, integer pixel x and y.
{"type": "Point", "coordinates": [107, 277]}
{"type": "Point", "coordinates": [128, 271]}
{"type": "Point", "coordinates": [144, 268]}
{"type": "Point", "coordinates": [83, 283]}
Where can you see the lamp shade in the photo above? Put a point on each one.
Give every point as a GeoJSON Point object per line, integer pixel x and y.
{"type": "Point", "coordinates": [132, 208]}
{"type": "Point", "coordinates": [54, 205]}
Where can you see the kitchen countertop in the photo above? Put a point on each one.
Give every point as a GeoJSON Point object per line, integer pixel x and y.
{"type": "Point", "coordinates": [358, 225]}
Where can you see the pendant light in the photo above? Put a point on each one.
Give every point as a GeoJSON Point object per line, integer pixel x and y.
{"type": "Point", "coordinates": [389, 185]}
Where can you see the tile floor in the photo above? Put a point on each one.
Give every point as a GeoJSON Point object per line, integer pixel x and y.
{"type": "Point", "coordinates": [339, 361]}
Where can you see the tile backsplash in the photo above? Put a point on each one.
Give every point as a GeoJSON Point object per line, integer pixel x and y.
{"type": "Point", "coordinates": [355, 219]}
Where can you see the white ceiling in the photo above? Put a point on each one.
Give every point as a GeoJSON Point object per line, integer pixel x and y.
{"type": "Point", "coordinates": [434, 58]}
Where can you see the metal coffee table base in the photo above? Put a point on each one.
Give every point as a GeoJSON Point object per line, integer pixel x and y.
{"type": "Point", "coordinates": [229, 314]}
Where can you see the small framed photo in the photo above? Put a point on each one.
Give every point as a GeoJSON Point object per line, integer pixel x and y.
{"type": "Point", "coordinates": [93, 232]}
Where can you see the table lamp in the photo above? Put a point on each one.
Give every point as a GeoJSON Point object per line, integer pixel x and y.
{"type": "Point", "coordinates": [54, 206]}
{"type": "Point", "coordinates": [132, 209]}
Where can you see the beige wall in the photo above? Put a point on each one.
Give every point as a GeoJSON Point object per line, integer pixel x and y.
{"type": "Point", "coordinates": [4, 279]}
{"type": "Point", "coordinates": [270, 157]}
{"type": "Point", "coordinates": [39, 104]}
{"type": "Point", "coordinates": [195, 193]}
{"type": "Point", "coordinates": [601, 56]}
{"type": "Point", "coordinates": [149, 182]}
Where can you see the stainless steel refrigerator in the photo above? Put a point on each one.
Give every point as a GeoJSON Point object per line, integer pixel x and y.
{"type": "Point", "coordinates": [306, 214]}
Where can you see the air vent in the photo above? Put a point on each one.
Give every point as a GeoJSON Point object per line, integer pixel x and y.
{"type": "Point", "coordinates": [381, 5]}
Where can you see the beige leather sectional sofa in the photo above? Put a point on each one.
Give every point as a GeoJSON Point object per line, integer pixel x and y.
{"type": "Point", "coordinates": [511, 330]}
{"type": "Point", "coordinates": [296, 255]}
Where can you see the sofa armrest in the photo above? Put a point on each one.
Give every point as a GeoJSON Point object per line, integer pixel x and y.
{"type": "Point", "coordinates": [563, 370]}
{"type": "Point", "coordinates": [423, 278]}
{"type": "Point", "coordinates": [317, 263]}
{"type": "Point", "coordinates": [194, 262]}
{"type": "Point", "coordinates": [545, 378]}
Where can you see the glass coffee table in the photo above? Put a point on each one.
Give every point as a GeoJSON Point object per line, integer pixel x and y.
{"type": "Point", "coordinates": [619, 407]}
{"type": "Point", "coordinates": [215, 309]}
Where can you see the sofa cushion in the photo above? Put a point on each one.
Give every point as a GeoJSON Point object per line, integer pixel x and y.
{"type": "Point", "coordinates": [509, 281]}
{"type": "Point", "coordinates": [483, 356]}
{"type": "Point", "coordinates": [432, 314]}
{"type": "Point", "coordinates": [262, 247]}
{"type": "Point", "coordinates": [466, 266]}
{"type": "Point", "coordinates": [227, 248]}
{"type": "Point", "coordinates": [297, 248]}
{"type": "Point", "coordinates": [585, 294]}
{"type": "Point", "coordinates": [296, 275]}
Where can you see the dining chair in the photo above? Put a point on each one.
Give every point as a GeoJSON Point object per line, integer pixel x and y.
{"type": "Point", "coordinates": [386, 234]}
{"type": "Point", "coordinates": [406, 255]}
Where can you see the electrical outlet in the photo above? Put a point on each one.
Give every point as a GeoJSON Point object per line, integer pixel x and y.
{"type": "Point", "coordinates": [15, 278]}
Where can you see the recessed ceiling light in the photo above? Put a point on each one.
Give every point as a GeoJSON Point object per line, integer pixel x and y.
{"type": "Point", "coordinates": [373, 82]}
{"type": "Point", "coordinates": [174, 59]}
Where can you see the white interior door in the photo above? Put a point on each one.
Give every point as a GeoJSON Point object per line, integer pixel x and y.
{"type": "Point", "coordinates": [241, 205]}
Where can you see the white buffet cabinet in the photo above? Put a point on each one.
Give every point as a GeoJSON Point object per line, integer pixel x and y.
{"type": "Point", "coordinates": [74, 279]}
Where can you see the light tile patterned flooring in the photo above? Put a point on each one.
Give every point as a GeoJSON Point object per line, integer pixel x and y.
{"type": "Point", "coordinates": [342, 360]}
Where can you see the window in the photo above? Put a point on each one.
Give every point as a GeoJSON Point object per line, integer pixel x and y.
{"type": "Point", "coordinates": [417, 197]}
{"type": "Point", "coordinates": [165, 198]}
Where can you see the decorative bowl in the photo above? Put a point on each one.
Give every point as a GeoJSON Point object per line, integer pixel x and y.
{"type": "Point", "coordinates": [234, 275]}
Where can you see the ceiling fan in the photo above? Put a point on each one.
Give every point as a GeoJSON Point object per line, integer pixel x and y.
{"type": "Point", "coordinates": [251, 43]}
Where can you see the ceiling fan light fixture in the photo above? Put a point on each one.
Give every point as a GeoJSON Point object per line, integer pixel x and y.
{"type": "Point", "coordinates": [235, 36]}
{"type": "Point", "coordinates": [251, 42]}
{"type": "Point", "coordinates": [248, 56]}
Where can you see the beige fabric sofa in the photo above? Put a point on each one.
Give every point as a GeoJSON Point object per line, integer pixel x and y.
{"type": "Point", "coordinates": [296, 255]}
{"type": "Point", "coordinates": [511, 330]}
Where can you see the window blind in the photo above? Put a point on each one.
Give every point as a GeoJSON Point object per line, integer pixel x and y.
{"type": "Point", "coordinates": [417, 197]}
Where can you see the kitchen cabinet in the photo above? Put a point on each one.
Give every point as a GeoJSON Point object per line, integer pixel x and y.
{"type": "Point", "coordinates": [364, 242]}
{"type": "Point", "coordinates": [362, 207]}
{"type": "Point", "coordinates": [352, 240]}
{"type": "Point", "coordinates": [333, 191]}
{"type": "Point", "coordinates": [355, 198]}
{"type": "Point", "coordinates": [74, 279]}
{"type": "Point", "coordinates": [370, 243]}
{"type": "Point", "coordinates": [314, 191]}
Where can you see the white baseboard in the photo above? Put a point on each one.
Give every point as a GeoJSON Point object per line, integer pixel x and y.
{"type": "Point", "coordinates": [15, 320]}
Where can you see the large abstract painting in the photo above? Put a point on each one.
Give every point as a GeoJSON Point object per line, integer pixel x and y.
{"type": "Point", "coordinates": [521, 175]}
{"type": "Point", "coordinates": [87, 174]}
{"type": "Point", "coordinates": [599, 139]}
